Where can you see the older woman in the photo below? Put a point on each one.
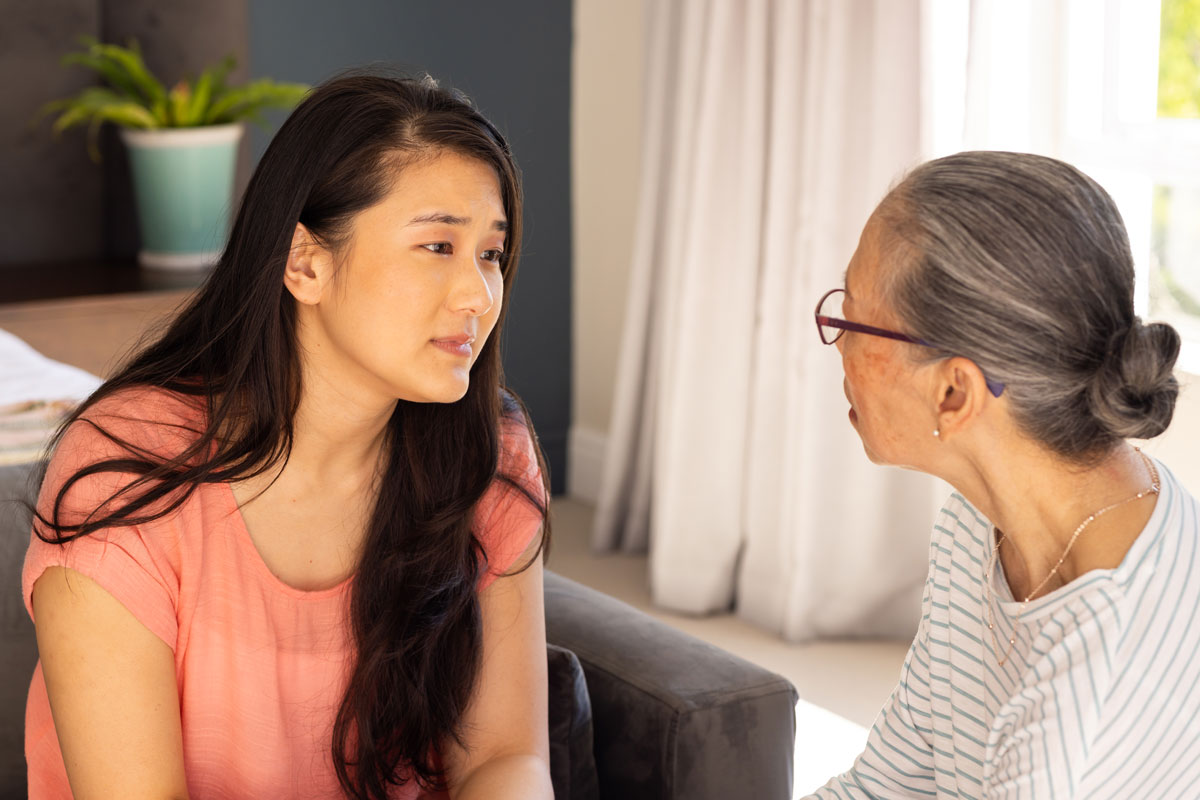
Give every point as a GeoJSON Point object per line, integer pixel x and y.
{"type": "Point", "coordinates": [988, 337]}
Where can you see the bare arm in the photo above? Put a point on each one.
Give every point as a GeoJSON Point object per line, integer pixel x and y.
{"type": "Point", "coordinates": [112, 689]}
{"type": "Point", "coordinates": [508, 754]}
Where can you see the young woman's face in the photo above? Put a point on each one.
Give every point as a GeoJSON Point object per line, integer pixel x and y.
{"type": "Point", "coordinates": [419, 288]}
{"type": "Point", "coordinates": [887, 404]}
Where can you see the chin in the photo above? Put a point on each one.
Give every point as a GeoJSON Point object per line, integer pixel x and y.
{"type": "Point", "coordinates": [446, 392]}
{"type": "Point", "coordinates": [449, 394]}
{"type": "Point", "coordinates": [873, 456]}
{"type": "Point", "coordinates": [898, 459]}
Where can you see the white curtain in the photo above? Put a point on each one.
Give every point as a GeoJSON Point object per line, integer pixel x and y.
{"type": "Point", "coordinates": [773, 127]}
{"type": "Point", "coordinates": [1015, 89]}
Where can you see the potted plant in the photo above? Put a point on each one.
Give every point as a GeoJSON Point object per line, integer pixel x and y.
{"type": "Point", "coordinates": [182, 144]}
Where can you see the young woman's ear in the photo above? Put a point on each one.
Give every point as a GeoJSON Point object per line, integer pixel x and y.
{"type": "Point", "coordinates": [309, 267]}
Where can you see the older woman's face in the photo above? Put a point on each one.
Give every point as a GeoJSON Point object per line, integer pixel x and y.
{"type": "Point", "coordinates": [888, 407]}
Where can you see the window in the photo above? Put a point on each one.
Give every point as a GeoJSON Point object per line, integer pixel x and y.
{"type": "Point", "coordinates": [1132, 120]}
{"type": "Point", "coordinates": [1174, 266]}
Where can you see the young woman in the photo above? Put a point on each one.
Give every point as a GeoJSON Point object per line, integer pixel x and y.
{"type": "Point", "coordinates": [292, 549]}
{"type": "Point", "coordinates": [988, 336]}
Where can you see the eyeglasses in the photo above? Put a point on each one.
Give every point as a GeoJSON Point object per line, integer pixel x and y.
{"type": "Point", "coordinates": [831, 326]}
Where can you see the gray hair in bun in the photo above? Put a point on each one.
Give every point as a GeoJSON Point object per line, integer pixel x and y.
{"type": "Point", "coordinates": [1021, 263]}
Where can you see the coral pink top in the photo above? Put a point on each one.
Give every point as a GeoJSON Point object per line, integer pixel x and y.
{"type": "Point", "coordinates": [261, 666]}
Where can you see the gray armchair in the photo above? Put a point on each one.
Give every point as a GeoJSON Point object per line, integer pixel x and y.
{"type": "Point", "coordinates": [638, 710]}
{"type": "Point", "coordinates": [672, 716]}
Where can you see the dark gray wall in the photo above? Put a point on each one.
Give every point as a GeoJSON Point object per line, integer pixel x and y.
{"type": "Point", "coordinates": [177, 39]}
{"type": "Point", "coordinates": [513, 59]}
{"type": "Point", "coordinates": [50, 192]}
{"type": "Point", "coordinates": [55, 204]}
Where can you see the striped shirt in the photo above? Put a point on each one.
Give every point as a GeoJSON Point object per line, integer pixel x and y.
{"type": "Point", "coordinates": [1100, 697]}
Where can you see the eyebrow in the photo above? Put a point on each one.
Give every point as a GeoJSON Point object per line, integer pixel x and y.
{"type": "Point", "coordinates": [449, 219]}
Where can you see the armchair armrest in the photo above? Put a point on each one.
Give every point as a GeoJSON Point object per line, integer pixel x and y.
{"type": "Point", "coordinates": [673, 717]}
{"type": "Point", "coordinates": [18, 644]}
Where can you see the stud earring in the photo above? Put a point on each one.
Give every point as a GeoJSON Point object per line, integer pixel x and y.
{"type": "Point", "coordinates": [937, 432]}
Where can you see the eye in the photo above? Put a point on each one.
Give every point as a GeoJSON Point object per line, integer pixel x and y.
{"type": "Point", "coordinates": [494, 255]}
{"type": "Point", "coordinates": [441, 248]}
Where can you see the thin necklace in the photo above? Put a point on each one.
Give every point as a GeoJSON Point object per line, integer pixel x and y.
{"type": "Point", "coordinates": [1154, 489]}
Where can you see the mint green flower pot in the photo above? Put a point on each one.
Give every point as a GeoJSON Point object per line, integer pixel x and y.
{"type": "Point", "coordinates": [183, 179]}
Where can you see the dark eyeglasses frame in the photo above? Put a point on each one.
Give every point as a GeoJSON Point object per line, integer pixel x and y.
{"type": "Point", "coordinates": [843, 325]}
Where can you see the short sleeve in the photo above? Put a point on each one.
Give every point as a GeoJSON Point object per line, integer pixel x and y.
{"type": "Point", "coordinates": [508, 517]}
{"type": "Point", "coordinates": [138, 565]}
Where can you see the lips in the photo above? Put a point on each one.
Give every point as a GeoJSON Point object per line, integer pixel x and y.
{"type": "Point", "coordinates": [459, 344]}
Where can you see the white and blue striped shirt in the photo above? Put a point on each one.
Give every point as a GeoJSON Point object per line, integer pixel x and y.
{"type": "Point", "coordinates": [1099, 699]}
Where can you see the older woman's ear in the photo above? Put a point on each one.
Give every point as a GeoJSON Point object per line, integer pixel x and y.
{"type": "Point", "coordinates": [961, 395]}
{"type": "Point", "coordinates": [309, 267]}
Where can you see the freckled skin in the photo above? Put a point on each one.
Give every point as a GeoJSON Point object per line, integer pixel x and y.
{"type": "Point", "coordinates": [1032, 494]}
{"type": "Point", "coordinates": [882, 382]}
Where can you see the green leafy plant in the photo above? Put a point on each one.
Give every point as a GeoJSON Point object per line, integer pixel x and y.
{"type": "Point", "coordinates": [135, 98]}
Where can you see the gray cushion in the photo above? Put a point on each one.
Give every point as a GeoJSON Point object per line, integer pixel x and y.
{"type": "Point", "coordinates": [18, 648]}
{"type": "Point", "coordinates": [572, 764]}
{"type": "Point", "coordinates": [673, 717]}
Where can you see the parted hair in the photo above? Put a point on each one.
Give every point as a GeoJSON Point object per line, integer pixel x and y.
{"type": "Point", "coordinates": [1021, 263]}
{"type": "Point", "coordinates": [414, 613]}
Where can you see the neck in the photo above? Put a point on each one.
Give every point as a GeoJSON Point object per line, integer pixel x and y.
{"type": "Point", "coordinates": [334, 438]}
{"type": "Point", "coordinates": [339, 427]}
{"type": "Point", "coordinates": [1037, 500]}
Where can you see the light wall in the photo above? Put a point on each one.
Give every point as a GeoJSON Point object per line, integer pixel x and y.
{"type": "Point", "coordinates": [606, 129]}
{"type": "Point", "coordinates": [1178, 447]}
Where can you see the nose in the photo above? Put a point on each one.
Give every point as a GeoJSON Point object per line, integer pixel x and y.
{"type": "Point", "coordinates": [471, 291]}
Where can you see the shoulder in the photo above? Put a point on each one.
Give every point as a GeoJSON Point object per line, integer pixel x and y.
{"type": "Point", "coordinates": [518, 455]}
{"type": "Point", "coordinates": [513, 509]}
{"type": "Point", "coordinates": [100, 456]}
{"type": "Point", "coordinates": [141, 421]}
{"type": "Point", "coordinates": [518, 459]}
{"type": "Point", "coordinates": [1160, 575]}
{"type": "Point", "coordinates": [1180, 509]}
{"type": "Point", "coordinates": [960, 530]}
{"type": "Point", "coordinates": [131, 425]}
{"type": "Point", "coordinates": [959, 551]}
{"type": "Point", "coordinates": [1164, 560]}
{"type": "Point", "coordinates": [145, 416]}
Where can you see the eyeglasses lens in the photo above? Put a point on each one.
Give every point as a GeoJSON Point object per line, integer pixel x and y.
{"type": "Point", "coordinates": [831, 307]}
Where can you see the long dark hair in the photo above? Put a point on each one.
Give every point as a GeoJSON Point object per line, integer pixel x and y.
{"type": "Point", "coordinates": [414, 611]}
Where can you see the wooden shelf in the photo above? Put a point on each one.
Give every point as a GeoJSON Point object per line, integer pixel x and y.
{"type": "Point", "coordinates": [85, 278]}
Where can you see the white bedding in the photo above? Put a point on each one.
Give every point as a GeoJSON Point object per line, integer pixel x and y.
{"type": "Point", "coordinates": [36, 393]}
{"type": "Point", "coordinates": [26, 375]}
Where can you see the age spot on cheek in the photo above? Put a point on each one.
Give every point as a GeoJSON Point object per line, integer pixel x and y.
{"type": "Point", "coordinates": [884, 365]}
